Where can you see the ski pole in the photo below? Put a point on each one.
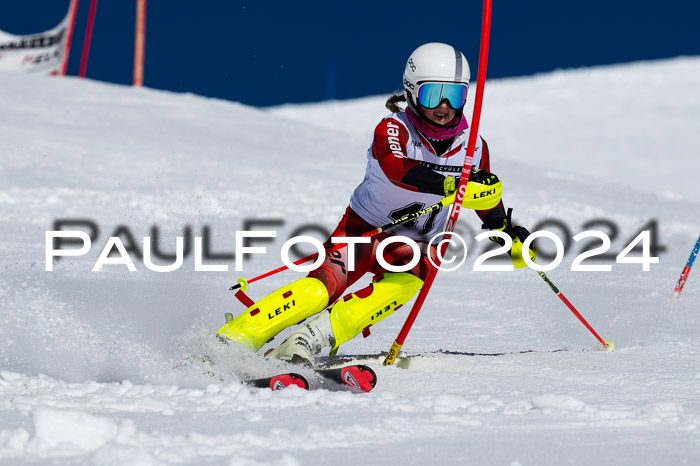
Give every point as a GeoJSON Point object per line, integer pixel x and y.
{"type": "Point", "coordinates": [684, 274]}
{"type": "Point", "coordinates": [242, 284]}
{"type": "Point", "coordinates": [607, 345]}
{"type": "Point", "coordinates": [464, 179]}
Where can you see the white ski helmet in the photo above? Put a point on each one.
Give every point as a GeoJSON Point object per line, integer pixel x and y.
{"type": "Point", "coordinates": [433, 62]}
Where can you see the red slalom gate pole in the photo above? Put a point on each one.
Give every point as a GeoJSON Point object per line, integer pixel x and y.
{"type": "Point", "coordinates": [466, 169]}
{"type": "Point", "coordinates": [72, 9]}
{"type": "Point", "coordinates": [88, 38]}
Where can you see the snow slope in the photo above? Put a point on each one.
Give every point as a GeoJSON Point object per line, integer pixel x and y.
{"type": "Point", "coordinates": [86, 357]}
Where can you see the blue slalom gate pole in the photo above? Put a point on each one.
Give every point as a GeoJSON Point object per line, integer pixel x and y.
{"type": "Point", "coordinates": [686, 271]}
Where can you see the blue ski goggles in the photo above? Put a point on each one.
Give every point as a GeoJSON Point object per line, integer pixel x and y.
{"type": "Point", "coordinates": [431, 95]}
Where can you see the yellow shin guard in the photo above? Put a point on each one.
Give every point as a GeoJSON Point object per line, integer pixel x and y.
{"type": "Point", "coordinates": [355, 312]}
{"type": "Point", "coordinates": [287, 306]}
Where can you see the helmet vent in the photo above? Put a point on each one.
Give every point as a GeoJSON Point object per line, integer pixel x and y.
{"type": "Point", "coordinates": [458, 62]}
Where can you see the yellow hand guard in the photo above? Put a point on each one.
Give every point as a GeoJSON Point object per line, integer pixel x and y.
{"type": "Point", "coordinates": [518, 234]}
{"type": "Point", "coordinates": [483, 192]}
{"type": "Point", "coordinates": [516, 253]}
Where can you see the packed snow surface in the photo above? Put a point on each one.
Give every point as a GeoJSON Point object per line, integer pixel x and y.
{"type": "Point", "coordinates": [504, 374]}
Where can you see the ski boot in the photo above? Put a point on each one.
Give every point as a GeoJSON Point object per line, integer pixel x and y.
{"type": "Point", "coordinates": [301, 346]}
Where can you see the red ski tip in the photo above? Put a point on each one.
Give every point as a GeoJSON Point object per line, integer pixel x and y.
{"type": "Point", "coordinates": [287, 380]}
{"type": "Point", "coordinates": [361, 377]}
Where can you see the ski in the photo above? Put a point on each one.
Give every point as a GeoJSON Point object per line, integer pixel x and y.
{"type": "Point", "coordinates": [412, 360]}
{"type": "Point", "coordinates": [357, 375]}
{"type": "Point", "coordinates": [280, 381]}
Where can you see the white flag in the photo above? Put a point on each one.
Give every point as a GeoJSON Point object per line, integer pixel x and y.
{"type": "Point", "coordinates": [35, 52]}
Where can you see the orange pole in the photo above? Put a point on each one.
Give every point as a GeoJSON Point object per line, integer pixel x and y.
{"type": "Point", "coordinates": [72, 9]}
{"type": "Point", "coordinates": [87, 39]}
{"type": "Point", "coordinates": [140, 42]}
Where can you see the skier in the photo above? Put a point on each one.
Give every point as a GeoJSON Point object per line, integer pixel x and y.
{"type": "Point", "coordinates": [412, 163]}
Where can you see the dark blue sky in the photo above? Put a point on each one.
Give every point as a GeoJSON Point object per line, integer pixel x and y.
{"type": "Point", "coordinates": [267, 53]}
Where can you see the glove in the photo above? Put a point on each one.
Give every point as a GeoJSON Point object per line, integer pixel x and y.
{"type": "Point", "coordinates": [450, 185]}
{"type": "Point", "coordinates": [518, 234]}
{"type": "Point", "coordinates": [483, 177]}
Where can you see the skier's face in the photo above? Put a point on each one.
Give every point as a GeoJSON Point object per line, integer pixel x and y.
{"type": "Point", "coordinates": [442, 114]}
